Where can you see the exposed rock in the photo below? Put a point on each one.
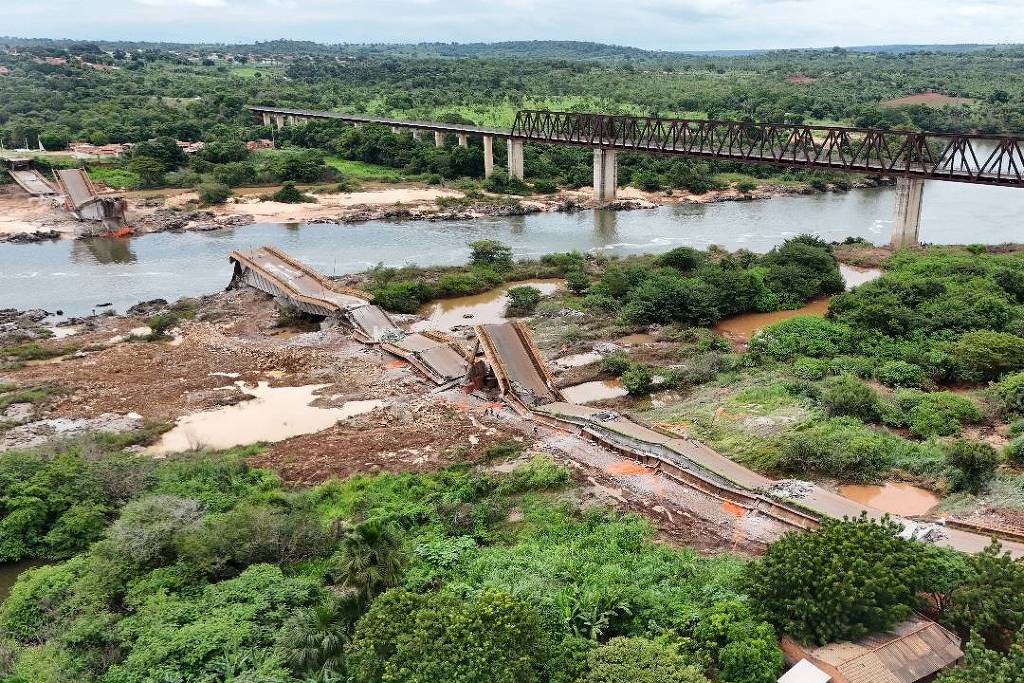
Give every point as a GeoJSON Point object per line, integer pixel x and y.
{"type": "Point", "coordinates": [40, 431]}
{"type": "Point", "coordinates": [148, 307]}
{"type": "Point", "coordinates": [30, 237]}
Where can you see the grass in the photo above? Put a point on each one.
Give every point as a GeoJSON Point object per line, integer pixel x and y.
{"type": "Point", "coordinates": [9, 394]}
{"type": "Point", "coordinates": [115, 177]}
{"type": "Point", "coordinates": [362, 170]}
{"type": "Point", "coordinates": [34, 351]}
{"type": "Point", "coordinates": [248, 71]}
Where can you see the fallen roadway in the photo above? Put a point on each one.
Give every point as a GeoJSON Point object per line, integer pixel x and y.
{"type": "Point", "coordinates": [526, 385]}
{"type": "Point", "coordinates": [294, 283]}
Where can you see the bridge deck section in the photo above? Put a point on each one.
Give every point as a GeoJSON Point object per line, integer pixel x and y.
{"type": "Point", "coordinates": [33, 183]}
{"type": "Point", "coordinates": [435, 126]}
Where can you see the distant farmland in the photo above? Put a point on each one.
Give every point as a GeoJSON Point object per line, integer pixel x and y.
{"type": "Point", "coordinates": [928, 99]}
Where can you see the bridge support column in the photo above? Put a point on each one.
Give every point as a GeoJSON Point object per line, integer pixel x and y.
{"type": "Point", "coordinates": [279, 121]}
{"type": "Point", "coordinates": [266, 118]}
{"type": "Point", "coordinates": [438, 139]}
{"type": "Point", "coordinates": [415, 134]}
{"type": "Point", "coordinates": [909, 192]}
{"type": "Point", "coordinates": [290, 120]}
{"type": "Point", "coordinates": [463, 140]}
{"type": "Point", "coordinates": [396, 130]}
{"type": "Point", "coordinates": [606, 174]}
{"type": "Point", "coordinates": [488, 156]}
{"type": "Point", "coordinates": [515, 158]}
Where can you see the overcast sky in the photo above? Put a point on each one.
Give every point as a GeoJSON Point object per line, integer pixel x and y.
{"type": "Point", "coordinates": [656, 24]}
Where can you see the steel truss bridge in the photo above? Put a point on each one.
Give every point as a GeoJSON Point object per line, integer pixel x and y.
{"type": "Point", "coordinates": [966, 158]}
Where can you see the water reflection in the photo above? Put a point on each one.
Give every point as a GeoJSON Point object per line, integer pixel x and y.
{"type": "Point", "coordinates": [606, 224]}
{"type": "Point", "coordinates": [103, 250]}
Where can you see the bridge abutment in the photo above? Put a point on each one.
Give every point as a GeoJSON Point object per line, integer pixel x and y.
{"type": "Point", "coordinates": [909, 194]}
{"type": "Point", "coordinates": [515, 158]}
{"type": "Point", "coordinates": [488, 156]}
{"type": "Point", "coordinates": [606, 174]}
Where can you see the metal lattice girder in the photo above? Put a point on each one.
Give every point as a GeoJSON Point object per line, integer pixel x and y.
{"type": "Point", "coordinates": [966, 158]}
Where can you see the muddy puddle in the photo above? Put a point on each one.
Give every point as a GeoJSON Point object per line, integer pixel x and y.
{"type": "Point", "coordinates": [475, 309]}
{"type": "Point", "coordinates": [273, 414]}
{"type": "Point", "coordinates": [599, 390]}
{"type": "Point", "coordinates": [747, 324]}
{"type": "Point", "coordinates": [897, 498]}
{"type": "Point", "coordinates": [637, 339]}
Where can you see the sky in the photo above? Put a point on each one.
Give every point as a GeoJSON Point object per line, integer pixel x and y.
{"type": "Point", "coordinates": [654, 24]}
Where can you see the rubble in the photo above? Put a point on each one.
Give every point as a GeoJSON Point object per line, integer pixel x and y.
{"type": "Point", "coordinates": [791, 488]}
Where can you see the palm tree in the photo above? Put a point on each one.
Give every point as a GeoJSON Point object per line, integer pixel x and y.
{"type": "Point", "coordinates": [370, 559]}
{"type": "Point", "coordinates": [314, 639]}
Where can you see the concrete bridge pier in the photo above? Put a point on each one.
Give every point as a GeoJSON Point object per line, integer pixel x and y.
{"type": "Point", "coordinates": [488, 156]}
{"type": "Point", "coordinates": [415, 134]}
{"type": "Point", "coordinates": [279, 121]}
{"type": "Point", "coordinates": [290, 120]}
{"type": "Point", "coordinates": [463, 140]}
{"type": "Point", "coordinates": [909, 193]}
{"type": "Point", "coordinates": [515, 158]}
{"type": "Point", "coordinates": [396, 130]}
{"type": "Point", "coordinates": [438, 139]}
{"type": "Point", "coordinates": [266, 118]}
{"type": "Point", "coordinates": [606, 174]}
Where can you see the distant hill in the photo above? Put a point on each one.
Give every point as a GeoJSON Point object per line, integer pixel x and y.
{"type": "Point", "coordinates": [524, 49]}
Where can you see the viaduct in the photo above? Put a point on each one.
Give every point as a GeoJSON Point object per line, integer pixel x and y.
{"type": "Point", "coordinates": [910, 156]}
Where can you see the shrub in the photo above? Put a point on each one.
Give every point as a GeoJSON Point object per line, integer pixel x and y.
{"type": "Point", "coordinates": [984, 355]}
{"type": "Point", "coordinates": [682, 258]}
{"type": "Point", "coordinates": [541, 473]}
{"type": "Point", "coordinates": [810, 368]}
{"type": "Point", "coordinates": [577, 282]}
{"type": "Point", "coordinates": [616, 363]}
{"type": "Point", "coordinates": [147, 531]}
{"type": "Point", "coordinates": [1014, 451]}
{"type": "Point", "coordinates": [545, 186]}
{"type": "Point", "coordinates": [289, 194]}
{"type": "Point", "coordinates": [972, 465]}
{"type": "Point", "coordinates": [802, 335]}
{"type": "Point", "coordinates": [898, 373]}
{"type": "Point", "coordinates": [639, 660]}
{"type": "Point", "coordinates": [852, 365]}
{"type": "Point", "coordinates": [840, 447]}
{"type": "Point", "coordinates": [746, 186]}
{"type": "Point", "coordinates": [938, 413]}
{"type": "Point", "coordinates": [1010, 392]}
{"type": "Point", "coordinates": [492, 254]}
{"type": "Point", "coordinates": [638, 380]}
{"type": "Point", "coordinates": [403, 296]}
{"type": "Point", "coordinates": [847, 395]}
{"type": "Point", "coordinates": [522, 300]}
{"type": "Point", "coordinates": [213, 192]}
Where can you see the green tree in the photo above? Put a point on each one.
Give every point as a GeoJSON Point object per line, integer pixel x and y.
{"type": "Point", "coordinates": [839, 582]}
{"type": "Point", "coordinates": [150, 170]}
{"type": "Point", "coordinates": [639, 660]}
{"type": "Point", "coordinates": [638, 380]}
{"type": "Point", "coordinates": [989, 598]}
{"type": "Point", "coordinates": [289, 194]}
{"type": "Point", "coordinates": [492, 254]}
{"type": "Point", "coordinates": [522, 300]}
{"type": "Point", "coordinates": [577, 281]}
{"type": "Point", "coordinates": [212, 192]}
{"type": "Point", "coordinates": [370, 560]}
{"type": "Point", "coordinates": [439, 638]}
{"type": "Point", "coordinates": [982, 665]}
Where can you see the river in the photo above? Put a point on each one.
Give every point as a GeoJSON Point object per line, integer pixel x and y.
{"type": "Point", "coordinates": [76, 275]}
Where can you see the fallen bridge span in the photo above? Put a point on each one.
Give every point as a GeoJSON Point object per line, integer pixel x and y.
{"type": "Point", "coordinates": [296, 284]}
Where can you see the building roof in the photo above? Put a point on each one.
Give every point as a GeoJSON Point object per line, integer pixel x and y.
{"type": "Point", "coordinates": [907, 653]}
{"type": "Point", "coordinates": [805, 672]}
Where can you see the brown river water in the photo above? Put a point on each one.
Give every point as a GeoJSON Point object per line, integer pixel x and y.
{"type": "Point", "coordinates": [475, 309]}
{"type": "Point", "coordinates": [747, 324]}
{"type": "Point", "coordinates": [897, 498]}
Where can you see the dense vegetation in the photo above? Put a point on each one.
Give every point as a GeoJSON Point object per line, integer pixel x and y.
{"type": "Point", "coordinates": [206, 570]}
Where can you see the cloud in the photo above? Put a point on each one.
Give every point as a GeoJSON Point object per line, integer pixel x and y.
{"type": "Point", "coordinates": [658, 24]}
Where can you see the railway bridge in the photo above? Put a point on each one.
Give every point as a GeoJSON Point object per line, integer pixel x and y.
{"type": "Point", "coordinates": [909, 156]}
